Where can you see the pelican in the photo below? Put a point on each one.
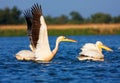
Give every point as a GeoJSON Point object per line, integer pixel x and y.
{"type": "Point", "coordinates": [37, 32]}
{"type": "Point", "coordinates": [93, 52]}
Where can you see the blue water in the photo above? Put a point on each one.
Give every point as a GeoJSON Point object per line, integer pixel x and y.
{"type": "Point", "coordinates": [65, 67]}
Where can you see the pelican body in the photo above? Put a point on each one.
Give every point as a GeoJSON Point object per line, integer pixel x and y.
{"type": "Point", "coordinates": [37, 33]}
{"type": "Point", "coordinates": [93, 52]}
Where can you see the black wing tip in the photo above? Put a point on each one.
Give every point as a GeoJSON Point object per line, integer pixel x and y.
{"type": "Point", "coordinates": [27, 13]}
{"type": "Point", "coordinates": [36, 8]}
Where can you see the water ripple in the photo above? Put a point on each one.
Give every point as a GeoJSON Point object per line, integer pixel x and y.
{"type": "Point", "coordinates": [65, 67]}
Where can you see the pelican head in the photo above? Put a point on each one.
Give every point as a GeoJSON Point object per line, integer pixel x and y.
{"type": "Point", "coordinates": [100, 45]}
{"type": "Point", "coordinates": [64, 39]}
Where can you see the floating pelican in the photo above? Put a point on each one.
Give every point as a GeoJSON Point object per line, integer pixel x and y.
{"type": "Point", "coordinates": [37, 32]}
{"type": "Point", "coordinates": [93, 52]}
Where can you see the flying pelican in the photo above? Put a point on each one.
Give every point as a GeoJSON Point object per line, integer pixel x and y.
{"type": "Point", "coordinates": [37, 32]}
{"type": "Point", "coordinates": [93, 52]}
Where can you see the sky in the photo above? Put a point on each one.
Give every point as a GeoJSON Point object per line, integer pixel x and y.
{"type": "Point", "coordinates": [58, 7]}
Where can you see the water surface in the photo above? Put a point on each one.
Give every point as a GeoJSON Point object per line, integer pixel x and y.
{"type": "Point", "coordinates": [65, 67]}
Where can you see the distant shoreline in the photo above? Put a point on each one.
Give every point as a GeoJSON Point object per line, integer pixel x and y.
{"type": "Point", "coordinates": [100, 26]}
{"type": "Point", "coordinates": [81, 29]}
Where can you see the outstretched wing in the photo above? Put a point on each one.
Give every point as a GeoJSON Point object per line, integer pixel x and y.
{"type": "Point", "coordinates": [28, 17]}
{"type": "Point", "coordinates": [39, 32]}
{"type": "Point", "coordinates": [36, 14]}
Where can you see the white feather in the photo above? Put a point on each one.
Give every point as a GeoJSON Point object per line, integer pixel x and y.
{"type": "Point", "coordinates": [42, 48]}
{"type": "Point", "coordinates": [25, 54]}
{"type": "Point", "coordinates": [91, 50]}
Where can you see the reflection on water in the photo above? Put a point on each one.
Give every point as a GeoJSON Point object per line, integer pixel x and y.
{"type": "Point", "coordinates": [64, 67]}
